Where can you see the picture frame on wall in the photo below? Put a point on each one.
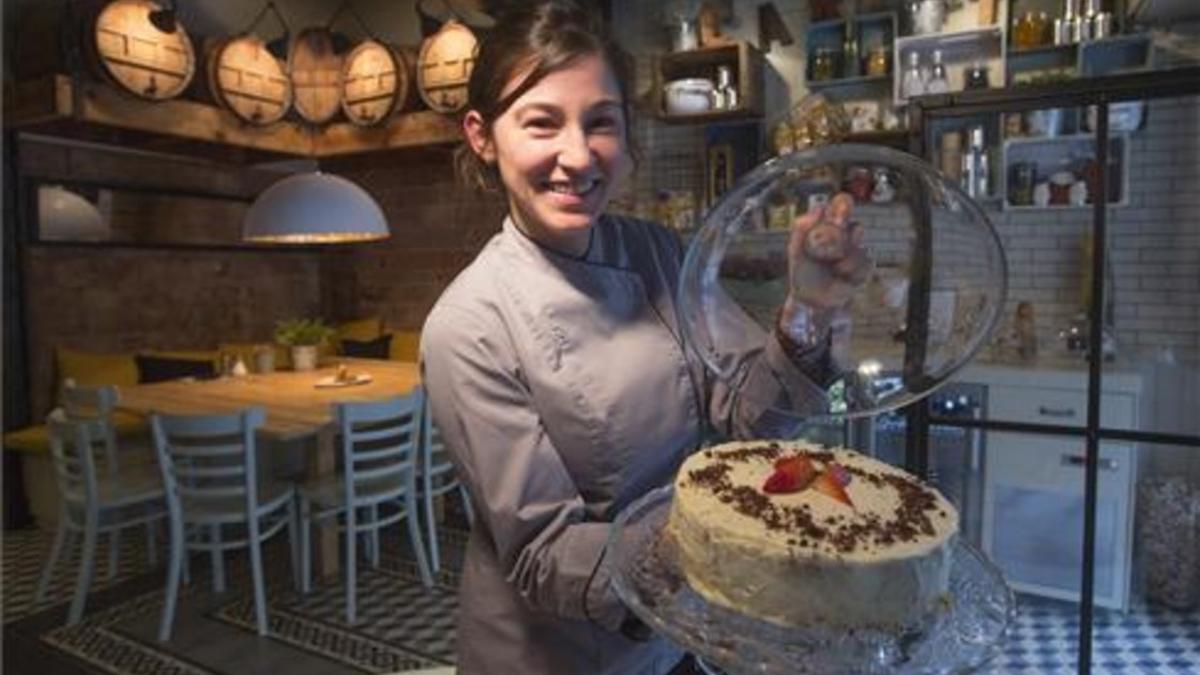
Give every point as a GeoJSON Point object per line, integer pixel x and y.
{"type": "Point", "coordinates": [731, 150]}
{"type": "Point", "coordinates": [720, 173]}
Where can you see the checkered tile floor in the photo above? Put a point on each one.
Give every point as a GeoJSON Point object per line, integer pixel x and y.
{"type": "Point", "coordinates": [402, 626]}
{"type": "Point", "coordinates": [1148, 640]}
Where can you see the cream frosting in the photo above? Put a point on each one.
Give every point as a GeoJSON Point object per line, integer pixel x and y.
{"type": "Point", "coordinates": [804, 558]}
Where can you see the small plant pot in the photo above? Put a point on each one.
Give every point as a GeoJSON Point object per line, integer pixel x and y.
{"type": "Point", "coordinates": [304, 357]}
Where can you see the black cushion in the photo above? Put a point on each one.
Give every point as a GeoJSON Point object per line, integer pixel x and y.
{"type": "Point", "coordinates": [161, 368]}
{"type": "Point", "coordinates": [379, 348]}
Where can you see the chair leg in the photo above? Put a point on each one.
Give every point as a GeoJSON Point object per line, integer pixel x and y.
{"type": "Point", "coordinates": [374, 536]}
{"type": "Point", "coordinates": [414, 538]}
{"type": "Point", "coordinates": [175, 567]}
{"type": "Point", "coordinates": [431, 527]}
{"type": "Point", "coordinates": [256, 573]}
{"type": "Point", "coordinates": [187, 563]}
{"type": "Point", "coordinates": [152, 543]}
{"type": "Point", "coordinates": [305, 552]}
{"type": "Point", "coordinates": [87, 568]}
{"type": "Point", "coordinates": [217, 557]}
{"type": "Point", "coordinates": [60, 537]}
{"type": "Point", "coordinates": [351, 566]}
{"type": "Point", "coordinates": [114, 546]}
{"type": "Point", "coordinates": [293, 543]}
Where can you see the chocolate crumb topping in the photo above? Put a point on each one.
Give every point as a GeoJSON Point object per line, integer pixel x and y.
{"type": "Point", "coordinates": [841, 534]}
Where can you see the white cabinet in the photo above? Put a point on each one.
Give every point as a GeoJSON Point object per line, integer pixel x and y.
{"type": "Point", "coordinates": [1033, 507]}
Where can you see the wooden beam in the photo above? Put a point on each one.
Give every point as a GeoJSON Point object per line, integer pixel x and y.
{"type": "Point", "coordinates": [57, 105]}
{"type": "Point", "coordinates": [102, 104]}
{"type": "Point", "coordinates": [406, 130]}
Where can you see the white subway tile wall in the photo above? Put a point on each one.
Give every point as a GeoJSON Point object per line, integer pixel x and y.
{"type": "Point", "coordinates": [1154, 242]}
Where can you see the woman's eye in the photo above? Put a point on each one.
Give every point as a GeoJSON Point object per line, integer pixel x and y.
{"type": "Point", "coordinates": [604, 123]}
{"type": "Point", "coordinates": [540, 123]}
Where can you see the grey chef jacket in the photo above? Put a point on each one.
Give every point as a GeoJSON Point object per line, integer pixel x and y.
{"type": "Point", "coordinates": [562, 391]}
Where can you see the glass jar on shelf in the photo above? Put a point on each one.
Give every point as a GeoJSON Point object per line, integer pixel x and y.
{"type": "Point", "coordinates": [824, 66]}
{"type": "Point", "coordinates": [938, 83]}
{"type": "Point", "coordinates": [1032, 30]}
{"type": "Point", "coordinates": [878, 60]}
{"type": "Point", "coordinates": [913, 82]}
{"type": "Point", "coordinates": [926, 16]}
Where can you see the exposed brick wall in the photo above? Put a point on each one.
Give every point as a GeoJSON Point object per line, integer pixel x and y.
{"type": "Point", "coordinates": [113, 299]}
{"type": "Point", "coordinates": [437, 228]}
{"type": "Point", "coordinates": [124, 300]}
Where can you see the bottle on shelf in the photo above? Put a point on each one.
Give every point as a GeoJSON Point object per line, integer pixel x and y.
{"type": "Point", "coordinates": [975, 171]}
{"type": "Point", "coordinates": [937, 84]}
{"type": "Point", "coordinates": [725, 95]}
{"type": "Point", "coordinates": [913, 82]}
{"type": "Point", "coordinates": [850, 61]}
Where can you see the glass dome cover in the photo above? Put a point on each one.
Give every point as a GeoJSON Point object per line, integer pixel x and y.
{"type": "Point", "coordinates": [930, 286]}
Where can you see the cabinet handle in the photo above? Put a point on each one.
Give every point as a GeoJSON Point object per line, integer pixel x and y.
{"type": "Point", "coordinates": [1055, 412]}
{"type": "Point", "coordinates": [1080, 460]}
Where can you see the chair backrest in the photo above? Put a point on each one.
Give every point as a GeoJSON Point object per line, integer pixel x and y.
{"type": "Point", "coordinates": [379, 442]}
{"type": "Point", "coordinates": [93, 404]}
{"type": "Point", "coordinates": [73, 445]}
{"type": "Point", "coordinates": [208, 458]}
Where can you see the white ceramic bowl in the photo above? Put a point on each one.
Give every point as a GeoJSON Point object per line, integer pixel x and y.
{"type": "Point", "coordinates": [688, 96]}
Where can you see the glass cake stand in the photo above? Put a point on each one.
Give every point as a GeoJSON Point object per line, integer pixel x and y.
{"type": "Point", "coordinates": [959, 638]}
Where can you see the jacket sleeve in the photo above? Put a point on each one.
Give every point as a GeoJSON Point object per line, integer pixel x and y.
{"type": "Point", "coordinates": [525, 498]}
{"type": "Point", "coordinates": [764, 381]}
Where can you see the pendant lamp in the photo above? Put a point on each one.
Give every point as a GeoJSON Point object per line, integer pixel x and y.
{"type": "Point", "coordinates": [314, 208]}
{"type": "Point", "coordinates": [66, 216]}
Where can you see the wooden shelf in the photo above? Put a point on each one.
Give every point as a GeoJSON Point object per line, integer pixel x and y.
{"type": "Point", "coordinates": [848, 82]}
{"type": "Point", "coordinates": [61, 106]}
{"type": "Point", "coordinates": [745, 60]}
{"type": "Point", "coordinates": [896, 139]}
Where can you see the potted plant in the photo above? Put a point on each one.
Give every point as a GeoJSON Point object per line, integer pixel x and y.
{"type": "Point", "coordinates": [303, 336]}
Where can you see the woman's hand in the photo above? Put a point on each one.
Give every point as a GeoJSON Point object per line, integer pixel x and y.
{"type": "Point", "coordinates": [826, 263]}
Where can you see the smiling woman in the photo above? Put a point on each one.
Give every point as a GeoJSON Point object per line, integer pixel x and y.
{"type": "Point", "coordinates": [554, 365]}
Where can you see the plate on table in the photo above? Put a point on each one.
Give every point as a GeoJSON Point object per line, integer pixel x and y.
{"type": "Point", "coordinates": [959, 638]}
{"type": "Point", "coordinates": [332, 381]}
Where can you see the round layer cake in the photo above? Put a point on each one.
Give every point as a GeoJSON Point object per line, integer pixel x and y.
{"type": "Point", "coordinates": [801, 535]}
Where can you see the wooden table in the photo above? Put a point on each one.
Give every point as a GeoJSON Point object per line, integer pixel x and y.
{"type": "Point", "coordinates": [296, 410]}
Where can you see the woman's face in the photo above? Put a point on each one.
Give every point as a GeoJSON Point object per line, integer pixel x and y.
{"type": "Point", "coordinates": [560, 149]}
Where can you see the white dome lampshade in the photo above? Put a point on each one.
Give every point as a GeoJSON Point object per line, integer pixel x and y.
{"type": "Point", "coordinates": [65, 216]}
{"type": "Point", "coordinates": [314, 208]}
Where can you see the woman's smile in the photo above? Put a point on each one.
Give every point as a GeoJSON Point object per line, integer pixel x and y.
{"type": "Point", "coordinates": [560, 149]}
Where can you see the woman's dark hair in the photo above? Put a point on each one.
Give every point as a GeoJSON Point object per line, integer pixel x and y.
{"type": "Point", "coordinates": [541, 37]}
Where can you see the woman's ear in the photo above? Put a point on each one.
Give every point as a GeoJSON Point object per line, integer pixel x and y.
{"type": "Point", "coordinates": [476, 132]}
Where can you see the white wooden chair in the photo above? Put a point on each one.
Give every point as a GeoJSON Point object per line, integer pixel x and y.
{"type": "Point", "coordinates": [210, 469]}
{"type": "Point", "coordinates": [438, 477]}
{"type": "Point", "coordinates": [379, 448]}
{"type": "Point", "coordinates": [94, 501]}
{"type": "Point", "coordinates": [97, 404]}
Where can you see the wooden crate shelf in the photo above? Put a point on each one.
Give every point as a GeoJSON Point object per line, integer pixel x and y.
{"type": "Point", "coordinates": [61, 106]}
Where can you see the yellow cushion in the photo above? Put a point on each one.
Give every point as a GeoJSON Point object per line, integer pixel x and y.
{"type": "Point", "coordinates": [37, 438]}
{"type": "Point", "coordinates": [29, 439]}
{"type": "Point", "coordinates": [362, 329]}
{"type": "Point", "coordinates": [90, 369]}
{"type": "Point", "coordinates": [213, 356]}
{"type": "Point", "coordinates": [128, 423]}
{"type": "Point", "coordinates": [405, 345]}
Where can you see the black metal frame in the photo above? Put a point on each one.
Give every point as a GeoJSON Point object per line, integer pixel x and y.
{"type": "Point", "coordinates": [1091, 91]}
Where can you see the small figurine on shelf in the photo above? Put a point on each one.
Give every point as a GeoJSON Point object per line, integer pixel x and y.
{"type": "Point", "coordinates": [710, 26]}
{"type": "Point", "coordinates": [1025, 331]}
